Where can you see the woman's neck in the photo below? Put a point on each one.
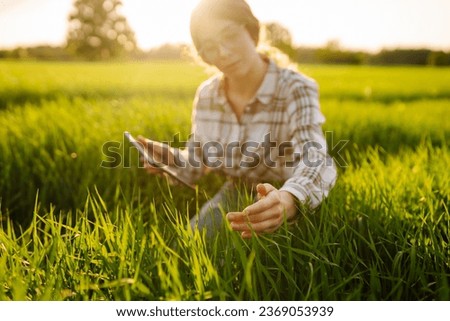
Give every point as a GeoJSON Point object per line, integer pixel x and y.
{"type": "Point", "coordinates": [241, 90]}
{"type": "Point", "coordinates": [247, 85]}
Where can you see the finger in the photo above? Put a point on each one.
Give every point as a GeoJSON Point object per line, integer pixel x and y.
{"type": "Point", "coordinates": [246, 235]}
{"type": "Point", "coordinates": [240, 226]}
{"type": "Point", "coordinates": [262, 205]}
{"type": "Point", "coordinates": [151, 145]}
{"type": "Point", "coordinates": [236, 217]}
{"type": "Point", "coordinates": [141, 139]}
{"type": "Point", "coordinates": [146, 143]}
{"type": "Point", "coordinates": [267, 219]}
{"type": "Point", "coordinates": [146, 164]}
{"type": "Point", "coordinates": [149, 168]}
{"type": "Point", "coordinates": [153, 171]}
{"type": "Point", "coordinates": [238, 221]}
{"type": "Point", "coordinates": [262, 191]}
{"type": "Point", "coordinates": [267, 226]}
{"type": "Point", "coordinates": [271, 213]}
{"type": "Point", "coordinates": [244, 217]}
{"type": "Point", "coordinates": [259, 228]}
{"type": "Point", "coordinates": [264, 188]}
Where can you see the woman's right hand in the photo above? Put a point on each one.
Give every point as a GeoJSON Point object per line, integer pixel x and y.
{"type": "Point", "coordinates": [161, 153]}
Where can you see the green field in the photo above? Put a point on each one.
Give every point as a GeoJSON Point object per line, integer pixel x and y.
{"type": "Point", "coordinates": [75, 230]}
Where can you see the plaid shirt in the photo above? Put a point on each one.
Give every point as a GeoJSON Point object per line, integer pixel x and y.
{"type": "Point", "coordinates": [278, 138]}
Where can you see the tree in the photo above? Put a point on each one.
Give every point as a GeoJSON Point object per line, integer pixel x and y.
{"type": "Point", "coordinates": [280, 37]}
{"type": "Point", "coordinates": [276, 34]}
{"type": "Point", "coordinates": [97, 31]}
{"type": "Point", "coordinates": [402, 57]}
{"type": "Point", "coordinates": [439, 58]}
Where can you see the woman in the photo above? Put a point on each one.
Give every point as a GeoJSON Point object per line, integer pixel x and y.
{"type": "Point", "coordinates": [255, 122]}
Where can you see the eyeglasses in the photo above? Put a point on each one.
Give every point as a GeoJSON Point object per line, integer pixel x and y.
{"type": "Point", "coordinates": [210, 50]}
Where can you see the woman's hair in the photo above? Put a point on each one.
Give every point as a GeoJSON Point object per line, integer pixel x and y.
{"type": "Point", "coordinates": [233, 10]}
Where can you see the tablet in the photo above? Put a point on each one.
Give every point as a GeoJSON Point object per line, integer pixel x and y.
{"type": "Point", "coordinates": [163, 167]}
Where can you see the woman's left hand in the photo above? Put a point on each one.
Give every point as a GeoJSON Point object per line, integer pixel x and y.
{"type": "Point", "coordinates": [266, 215]}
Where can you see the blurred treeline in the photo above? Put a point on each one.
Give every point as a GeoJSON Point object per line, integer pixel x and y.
{"type": "Point", "coordinates": [321, 55]}
{"type": "Point", "coordinates": [333, 53]}
{"type": "Point", "coordinates": [328, 55]}
{"type": "Point", "coordinates": [61, 53]}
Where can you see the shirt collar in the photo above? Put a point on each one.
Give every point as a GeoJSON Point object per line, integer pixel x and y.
{"type": "Point", "coordinates": [265, 92]}
{"type": "Point", "coordinates": [268, 87]}
{"type": "Point", "coordinates": [221, 94]}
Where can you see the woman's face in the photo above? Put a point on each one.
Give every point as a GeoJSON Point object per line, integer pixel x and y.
{"type": "Point", "coordinates": [228, 46]}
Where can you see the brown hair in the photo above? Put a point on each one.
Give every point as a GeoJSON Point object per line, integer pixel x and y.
{"type": "Point", "coordinates": [233, 10]}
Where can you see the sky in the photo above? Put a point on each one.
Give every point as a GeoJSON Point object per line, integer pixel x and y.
{"type": "Point", "coordinates": [357, 24]}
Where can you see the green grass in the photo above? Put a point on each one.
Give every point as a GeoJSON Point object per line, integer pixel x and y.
{"type": "Point", "coordinates": [113, 233]}
{"type": "Point", "coordinates": [383, 84]}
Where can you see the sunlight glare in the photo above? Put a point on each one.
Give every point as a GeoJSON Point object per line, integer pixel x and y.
{"type": "Point", "coordinates": [155, 23]}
